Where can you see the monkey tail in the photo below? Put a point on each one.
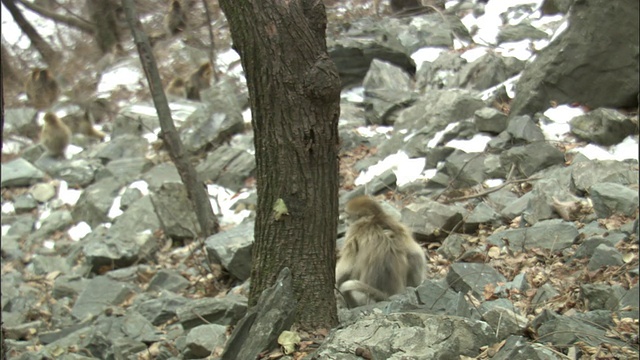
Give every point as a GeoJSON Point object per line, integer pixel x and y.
{"type": "Point", "coordinates": [357, 285]}
{"type": "Point", "coordinates": [96, 133]}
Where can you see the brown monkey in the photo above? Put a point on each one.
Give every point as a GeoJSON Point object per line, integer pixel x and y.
{"type": "Point", "coordinates": [55, 135]}
{"type": "Point", "coordinates": [379, 257]}
{"type": "Point", "coordinates": [176, 20]}
{"type": "Point", "coordinates": [82, 124]}
{"type": "Point", "coordinates": [42, 89]}
{"type": "Point", "coordinates": [178, 88]}
{"type": "Point", "coordinates": [199, 80]}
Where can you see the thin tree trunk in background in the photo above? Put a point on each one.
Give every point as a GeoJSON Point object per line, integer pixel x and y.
{"type": "Point", "coordinates": [195, 189]}
{"type": "Point", "coordinates": [74, 22]}
{"type": "Point", "coordinates": [49, 56]}
{"type": "Point", "coordinates": [294, 90]}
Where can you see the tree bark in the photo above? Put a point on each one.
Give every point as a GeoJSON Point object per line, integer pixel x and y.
{"type": "Point", "coordinates": [74, 22]}
{"type": "Point", "coordinates": [195, 189]}
{"type": "Point", "coordinates": [51, 57]}
{"type": "Point", "coordinates": [294, 90]}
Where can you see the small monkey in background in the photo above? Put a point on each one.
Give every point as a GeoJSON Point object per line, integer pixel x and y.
{"type": "Point", "coordinates": [55, 135]}
{"type": "Point", "coordinates": [42, 89]}
{"type": "Point", "coordinates": [82, 124]}
{"type": "Point", "coordinates": [380, 258]}
{"type": "Point", "coordinates": [176, 20]}
{"type": "Point", "coordinates": [178, 88]}
{"type": "Point", "coordinates": [199, 80]}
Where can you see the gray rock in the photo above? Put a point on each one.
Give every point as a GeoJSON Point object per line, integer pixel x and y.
{"type": "Point", "coordinates": [175, 211]}
{"type": "Point", "coordinates": [612, 198]}
{"type": "Point", "coordinates": [100, 293]}
{"type": "Point", "coordinates": [482, 214]}
{"type": "Point", "coordinates": [223, 311]}
{"type": "Point", "coordinates": [466, 169]}
{"type": "Point", "coordinates": [129, 240]}
{"type": "Point", "coordinates": [452, 247]}
{"type": "Point", "coordinates": [524, 130]}
{"type": "Point", "coordinates": [438, 108]}
{"type": "Point", "coordinates": [588, 173]}
{"type": "Point", "coordinates": [407, 335]}
{"type": "Point", "coordinates": [95, 202]}
{"type": "Point", "coordinates": [554, 235]}
{"type": "Point", "coordinates": [120, 147]}
{"type": "Point", "coordinates": [578, 68]}
{"type": "Point", "coordinates": [227, 166]}
{"type": "Point", "coordinates": [160, 174]}
{"type": "Point", "coordinates": [531, 158]}
{"type": "Point", "coordinates": [544, 293]}
{"type": "Point", "coordinates": [76, 172]}
{"type": "Point", "coordinates": [260, 327]}
{"type": "Point", "coordinates": [604, 255]}
{"type": "Point", "coordinates": [490, 120]}
{"type": "Point", "coordinates": [161, 309]}
{"type": "Point", "coordinates": [211, 126]}
{"type": "Point", "coordinates": [168, 280]}
{"type": "Point", "coordinates": [129, 169]}
{"type": "Point", "coordinates": [57, 220]}
{"type": "Point", "coordinates": [519, 32]}
{"type": "Point", "coordinates": [488, 70]}
{"type": "Point", "coordinates": [129, 196]}
{"type": "Point", "coordinates": [203, 339]}
{"type": "Point", "coordinates": [19, 172]}
{"type": "Point", "coordinates": [24, 203]}
{"type": "Point", "coordinates": [68, 286]}
{"type": "Point", "coordinates": [43, 192]}
{"type": "Point", "coordinates": [603, 126]}
{"type": "Point", "coordinates": [465, 277]}
{"type": "Point", "coordinates": [519, 347]}
{"type": "Point", "coordinates": [232, 250]}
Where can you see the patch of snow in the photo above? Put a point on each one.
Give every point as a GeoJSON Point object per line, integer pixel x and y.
{"type": "Point", "coordinates": [354, 95]}
{"type": "Point", "coordinates": [426, 54]}
{"type": "Point", "coordinates": [475, 53]}
{"type": "Point", "coordinates": [79, 231]}
{"type": "Point", "coordinates": [405, 169]}
{"type": "Point", "coordinates": [476, 144]}
{"type": "Point", "coordinates": [68, 196]}
{"type": "Point", "coordinates": [222, 199]}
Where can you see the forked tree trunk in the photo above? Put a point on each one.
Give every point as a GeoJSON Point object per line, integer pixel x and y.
{"type": "Point", "coordinates": [50, 56]}
{"type": "Point", "coordinates": [294, 89]}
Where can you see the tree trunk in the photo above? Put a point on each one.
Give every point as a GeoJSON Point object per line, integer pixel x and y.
{"type": "Point", "coordinates": [294, 89]}
{"type": "Point", "coordinates": [74, 22]}
{"type": "Point", "coordinates": [48, 54]}
{"type": "Point", "coordinates": [195, 189]}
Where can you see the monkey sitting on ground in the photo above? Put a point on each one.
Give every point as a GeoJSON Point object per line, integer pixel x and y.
{"type": "Point", "coordinates": [199, 80]}
{"type": "Point", "coordinates": [176, 20]}
{"type": "Point", "coordinates": [380, 258]}
{"type": "Point", "coordinates": [42, 89]}
{"type": "Point", "coordinates": [55, 135]}
{"type": "Point", "coordinates": [177, 88]}
{"type": "Point", "coordinates": [82, 124]}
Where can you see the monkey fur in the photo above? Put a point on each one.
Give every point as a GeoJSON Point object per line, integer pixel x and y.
{"type": "Point", "coordinates": [177, 88]}
{"type": "Point", "coordinates": [199, 80]}
{"type": "Point", "coordinates": [42, 89]}
{"type": "Point", "coordinates": [55, 135]}
{"type": "Point", "coordinates": [82, 124]}
{"type": "Point", "coordinates": [176, 20]}
{"type": "Point", "coordinates": [380, 258]}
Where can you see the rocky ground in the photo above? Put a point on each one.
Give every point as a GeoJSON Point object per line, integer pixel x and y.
{"type": "Point", "coordinates": [505, 137]}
